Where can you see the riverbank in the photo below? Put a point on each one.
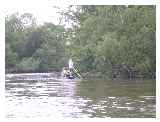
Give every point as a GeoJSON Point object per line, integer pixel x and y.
{"type": "Point", "coordinates": [48, 75]}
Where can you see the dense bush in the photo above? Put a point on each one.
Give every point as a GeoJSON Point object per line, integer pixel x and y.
{"type": "Point", "coordinates": [102, 37]}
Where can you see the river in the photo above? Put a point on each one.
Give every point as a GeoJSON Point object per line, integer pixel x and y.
{"type": "Point", "coordinates": [79, 99]}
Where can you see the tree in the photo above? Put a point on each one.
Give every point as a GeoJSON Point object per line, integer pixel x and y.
{"type": "Point", "coordinates": [29, 44]}
{"type": "Point", "coordinates": [100, 38]}
{"type": "Point", "coordinates": [115, 35]}
{"type": "Point", "coordinates": [28, 65]}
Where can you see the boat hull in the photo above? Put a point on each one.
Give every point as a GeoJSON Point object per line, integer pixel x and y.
{"type": "Point", "coordinates": [66, 79]}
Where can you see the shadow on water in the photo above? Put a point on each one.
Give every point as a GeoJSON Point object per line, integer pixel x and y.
{"type": "Point", "coordinates": [119, 98]}
{"type": "Point", "coordinates": [87, 98]}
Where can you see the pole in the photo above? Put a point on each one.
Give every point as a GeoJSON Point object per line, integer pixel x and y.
{"type": "Point", "coordinates": [77, 72]}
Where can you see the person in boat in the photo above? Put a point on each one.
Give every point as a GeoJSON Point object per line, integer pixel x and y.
{"type": "Point", "coordinates": [65, 72]}
{"type": "Point", "coordinates": [70, 72]}
{"type": "Point", "coordinates": [72, 69]}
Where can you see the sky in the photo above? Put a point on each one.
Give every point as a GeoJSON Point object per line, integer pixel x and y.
{"type": "Point", "coordinates": [42, 11]}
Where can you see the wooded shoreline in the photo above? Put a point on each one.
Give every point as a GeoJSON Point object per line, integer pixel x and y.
{"type": "Point", "coordinates": [104, 41]}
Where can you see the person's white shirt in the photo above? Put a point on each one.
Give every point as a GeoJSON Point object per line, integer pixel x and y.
{"type": "Point", "coordinates": [70, 63]}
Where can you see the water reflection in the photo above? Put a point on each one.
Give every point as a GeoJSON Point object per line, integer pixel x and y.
{"type": "Point", "coordinates": [88, 98]}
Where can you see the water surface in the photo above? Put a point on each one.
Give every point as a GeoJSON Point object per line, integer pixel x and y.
{"type": "Point", "coordinates": [79, 99]}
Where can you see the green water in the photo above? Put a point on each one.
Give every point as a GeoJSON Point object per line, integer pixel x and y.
{"type": "Point", "coordinates": [81, 99]}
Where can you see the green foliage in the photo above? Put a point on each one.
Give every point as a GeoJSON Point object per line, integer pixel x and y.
{"type": "Point", "coordinates": [115, 35]}
{"type": "Point", "coordinates": [28, 65]}
{"type": "Point", "coordinates": [101, 37]}
{"type": "Point", "coordinates": [34, 48]}
{"type": "Point", "coordinates": [11, 57]}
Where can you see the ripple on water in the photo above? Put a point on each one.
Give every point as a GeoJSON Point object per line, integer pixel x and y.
{"type": "Point", "coordinates": [147, 97]}
{"type": "Point", "coordinates": [72, 99]}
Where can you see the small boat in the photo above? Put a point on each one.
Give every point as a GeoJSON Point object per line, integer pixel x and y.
{"type": "Point", "coordinates": [67, 79]}
{"type": "Point", "coordinates": [69, 73]}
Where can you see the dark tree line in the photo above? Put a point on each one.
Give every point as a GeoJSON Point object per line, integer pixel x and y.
{"type": "Point", "coordinates": [33, 48]}
{"type": "Point", "coordinates": [104, 40]}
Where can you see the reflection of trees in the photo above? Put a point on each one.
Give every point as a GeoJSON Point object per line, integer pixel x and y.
{"type": "Point", "coordinates": [98, 89]}
{"type": "Point", "coordinates": [116, 98]}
